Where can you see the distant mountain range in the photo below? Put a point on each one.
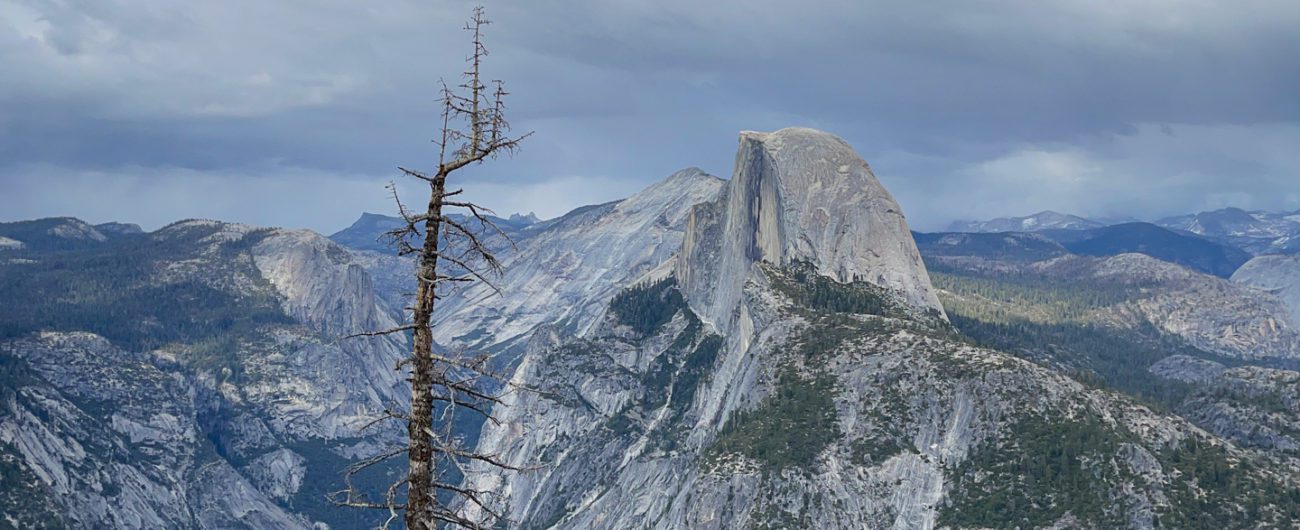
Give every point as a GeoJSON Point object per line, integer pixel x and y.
{"type": "Point", "coordinates": [1044, 220]}
{"type": "Point", "coordinates": [1190, 251]}
{"type": "Point", "coordinates": [1256, 232]}
{"type": "Point", "coordinates": [1215, 242]}
{"type": "Point", "coordinates": [1186, 249]}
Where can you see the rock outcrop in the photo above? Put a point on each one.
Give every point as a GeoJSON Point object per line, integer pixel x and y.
{"type": "Point", "coordinates": [114, 439]}
{"type": "Point", "coordinates": [11, 244]}
{"type": "Point", "coordinates": [1278, 275]}
{"type": "Point", "coordinates": [798, 195]}
{"type": "Point", "coordinates": [1210, 313]}
{"type": "Point", "coordinates": [320, 282]}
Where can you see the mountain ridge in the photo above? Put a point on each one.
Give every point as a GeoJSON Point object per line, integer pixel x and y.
{"type": "Point", "coordinates": [808, 395]}
{"type": "Point", "coordinates": [1186, 249]}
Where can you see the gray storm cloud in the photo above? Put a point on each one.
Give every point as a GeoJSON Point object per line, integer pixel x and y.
{"type": "Point", "coordinates": [146, 111]}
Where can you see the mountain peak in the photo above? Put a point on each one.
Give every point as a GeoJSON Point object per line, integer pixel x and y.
{"type": "Point", "coordinates": [683, 178]}
{"type": "Point", "coordinates": [524, 219]}
{"type": "Point", "coordinates": [371, 217]}
{"type": "Point", "coordinates": [687, 186]}
{"type": "Point", "coordinates": [799, 195]}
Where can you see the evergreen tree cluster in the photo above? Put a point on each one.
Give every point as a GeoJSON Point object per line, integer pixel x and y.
{"type": "Point", "coordinates": [647, 307]}
{"type": "Point", "coordinates": [118, 290]}
{"type": "Point", "coordinates": [789, 429]}
{"type": "Point", "coordinates": [805, 287]}
{"type": "Point", "coordinates": [1047, 323]}
{"type": "Point", "coordinates": [1228, 493]}
{"type": "Point", "coordinates": [1044, 469]}
{"type": "Point", "coordinates": [1011, 297]}
{"type": "Point", "coordinates": [1102, 357]}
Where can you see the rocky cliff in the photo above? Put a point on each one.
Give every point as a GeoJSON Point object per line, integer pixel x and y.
{"type": "Point", "coordinates": [97, 437]}
{"type": "Point", "coordinates": [798, 195]}
{"type": "Point", "coordinates": [796, 371]}
{"type": "Point", "coordinates": [567, 271]}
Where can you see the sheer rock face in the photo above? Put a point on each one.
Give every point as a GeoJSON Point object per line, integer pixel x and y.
{"type": "Point", "coordinates": [566, 270]}
{"type": "Point", "coordinates": [798, 195]}
{"type": "Point", "coordinates": [319, 384]}
{"type": "Point", "coordinates": [313, 382]}
{"type": "Point", "coordinates": [320, 282]}
{"type": "Point", "coordinates": [1276, 274]}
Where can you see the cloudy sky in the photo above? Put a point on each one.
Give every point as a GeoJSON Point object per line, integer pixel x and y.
{"type": "Point", "coordinates": [296, 112]}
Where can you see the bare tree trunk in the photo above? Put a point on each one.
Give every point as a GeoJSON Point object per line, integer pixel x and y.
{"type": "Point", "coordinates": [420, 425]}
{"type": "Point", "coordinates": [450, 251]}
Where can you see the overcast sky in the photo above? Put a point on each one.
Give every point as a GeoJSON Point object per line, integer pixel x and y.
{"type": "Point", "coordinates": [296, 113]}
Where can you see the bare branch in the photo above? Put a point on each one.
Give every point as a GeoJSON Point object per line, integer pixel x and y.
{"type": "Point", "coordinates": [388, 414]}
{"type": "Point", "coordinates": [390, 331]}
{"type": "Point", "coordinates": [417, 174]}
{"type": "Point", "coordinates": [477, 457]}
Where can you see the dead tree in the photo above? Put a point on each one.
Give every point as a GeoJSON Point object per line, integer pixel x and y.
{"type": "Point", "coordinates": [451, 249]}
